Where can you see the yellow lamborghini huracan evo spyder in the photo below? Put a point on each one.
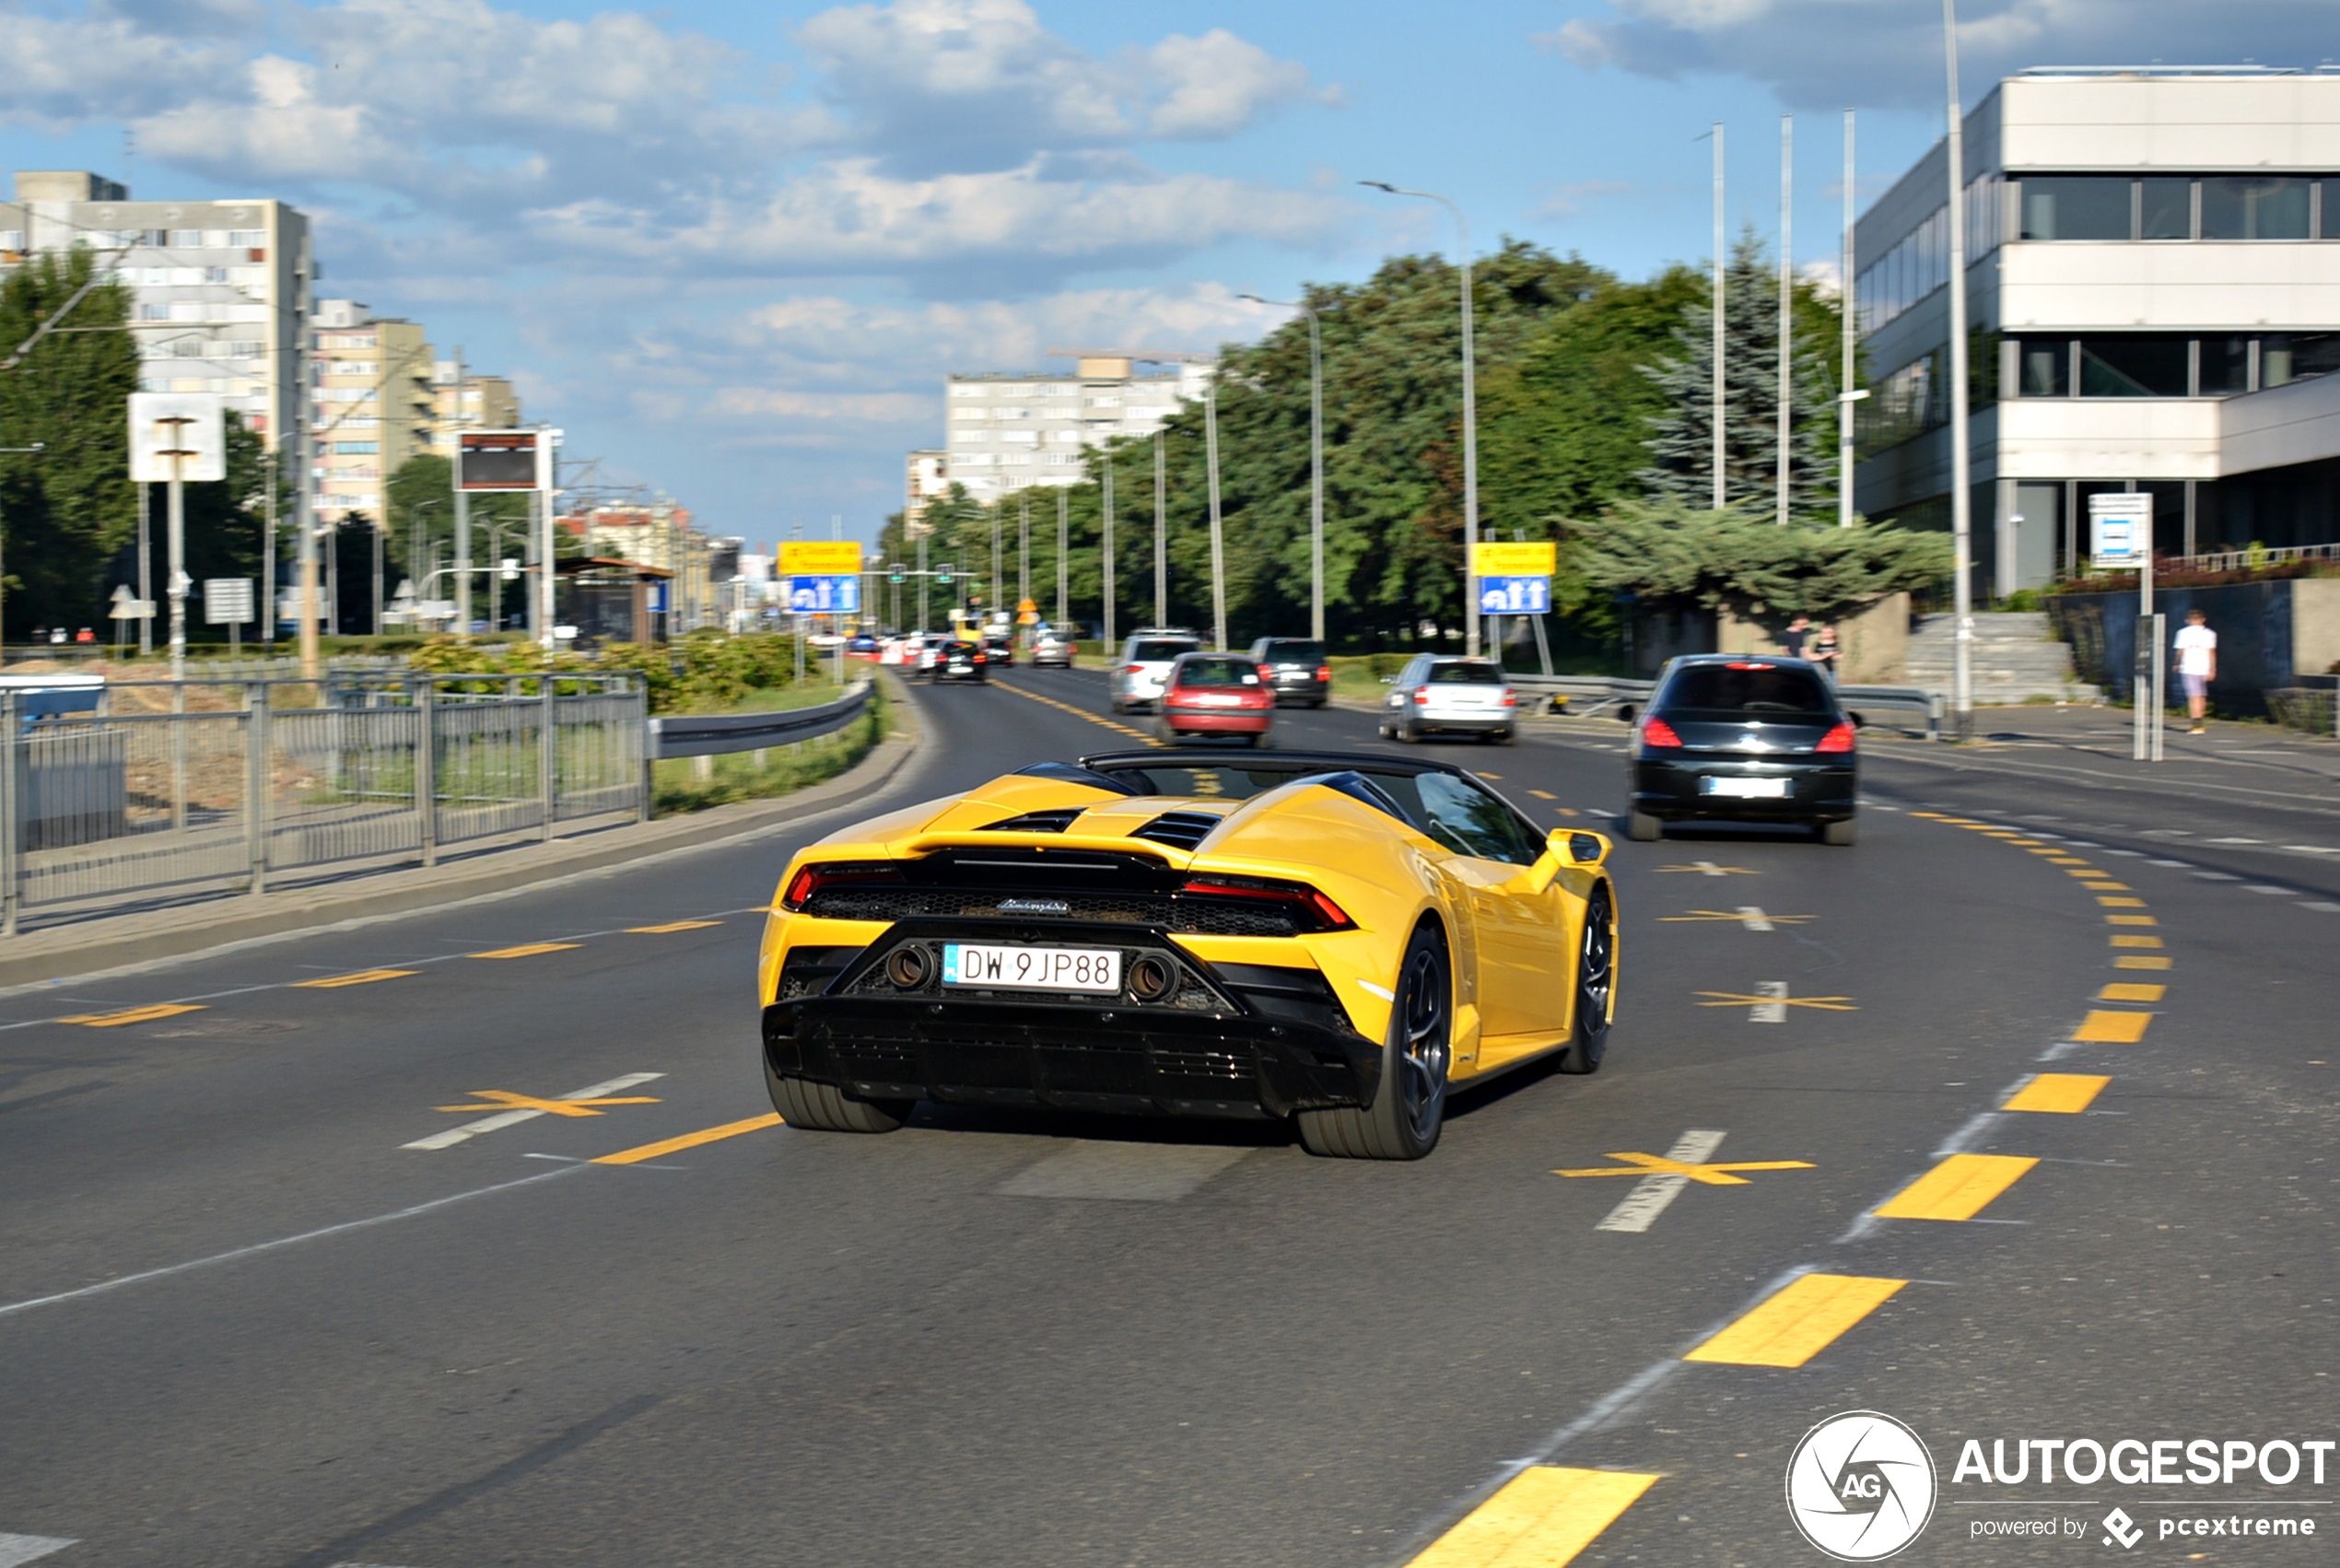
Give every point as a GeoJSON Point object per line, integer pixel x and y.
{"type": "Point", "coordinates": [1333, 938]}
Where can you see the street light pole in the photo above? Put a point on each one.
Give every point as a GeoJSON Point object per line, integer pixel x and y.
{"type": "Point", "coordinates": [1470, 420]}
{"type": "Point", "coordinates": [1064, 547]}
{"type": "Point", "coordinates": [1717, 348]}
{"type": "Point", "coordinates": [1218, 536]}
{"type": "Point", "coordinates": [1106, 582]}
{"type": "Point", "coordinates": [1786, 306]}
{"type": "Point", "coordinates": [1315, 462]}
{"type": "Point", "coordinates": [1847, 302]}
{"type": "Point", "coordinates": [1961, 497]}
{"type": "Point", "coordinates": [1160, 533]}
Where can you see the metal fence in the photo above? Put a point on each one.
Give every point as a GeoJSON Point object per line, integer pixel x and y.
{"type": "Point", "coordinates": [159, 788]}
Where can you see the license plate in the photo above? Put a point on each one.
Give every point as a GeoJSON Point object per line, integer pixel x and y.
{"type": "Point", "coordinates": [1747, 788]}
{"type": "Point", "coordinates": [1091, 969]}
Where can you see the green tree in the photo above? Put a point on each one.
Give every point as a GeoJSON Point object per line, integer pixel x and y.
{"type": "Point", "coordinates": [1669, 554]}
{"type": "Point", "coordinates": [1681, 439]}
{"type": "Point", "coordinates": [418, 506]}
{"type": "Point", "coordinates": [66, 511]}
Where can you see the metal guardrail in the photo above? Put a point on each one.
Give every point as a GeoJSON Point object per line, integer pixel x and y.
{"type": "Point", "coordinates": [728, 733]}
{"type": "Point", "coordinates": [1859, 699]}
{"type": "Point", "coordinates": [1599, 692]}
{"type": "Point", "coordinates": [166, 788]}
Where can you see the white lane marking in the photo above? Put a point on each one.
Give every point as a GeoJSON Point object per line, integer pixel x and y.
{"type": "Point", "coordinates": [1652, 1193]}
{"type": "Point", "coordinates": [2214, 876]}
{"type": "Point", "coordinates": [1769, 1012]}
{"type": "Point", "coordinates": [2234, 841]}
{"type": "Point", "coordinates": [1754, 919]}
{"type": "Point", "coordinates": [1963, 1141]}
{"type": "Point", "coordinates": [260, 1247]}
{"type": "Point", "coordinates": [2312, 850]}
{"type": "Point", "coordinates": [2321, 907]}
{"type": "Point", "coordinates": [1129, 1173]}
{"type": "Point", "coordinates": [2131, 854]}
{"type": "Point", "coordinates": [2181, 865]}
{"type": "Point", "coordinates": [24, 1548]}
{"type": "Point", "coordinates": [1708, 868]}
{"type": "Point", "coordinates": [470, 1130]}
{"type": "Point", "coordinates": [2278, 892]}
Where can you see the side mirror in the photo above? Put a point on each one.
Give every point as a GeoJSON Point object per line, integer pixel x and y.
{"type": "Point", "coordinates": [1389, 680]}
{"type": "Point", "coordinates": [1578, 847]}
{"type": "Point", "coordinates": [1625, 713]}
{"type": "Point", "coordinates": [1858, 722]}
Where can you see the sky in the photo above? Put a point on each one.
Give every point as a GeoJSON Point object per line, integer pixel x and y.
{"type": "Point", "coordinates": [733, 248]}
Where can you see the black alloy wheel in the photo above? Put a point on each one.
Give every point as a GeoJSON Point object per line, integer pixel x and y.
{"type": "Point", "coordinates": [1596, 981]}
{"type": "Point", "coordinates": [1409, 1108]}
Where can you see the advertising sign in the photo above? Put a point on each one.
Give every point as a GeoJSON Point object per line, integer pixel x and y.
{"type": "Point", "coordinates": [824, 595]}
{"type": "Point", "coordinates": [2120, 527]}
{"type": "Point", "coordinates": [821, 558]}
{"type": "Point", "coordinates": [1498, 559]}
{"type": "Point", "coordinates": [177, 435]}
{"type": "Point", "coordinates": [1515, 595]}
{"type": "Point", "coordinates": [227, 600]}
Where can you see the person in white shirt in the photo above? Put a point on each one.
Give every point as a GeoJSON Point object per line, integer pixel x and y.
{"type": "Point", "coordinates": [2197, 665]}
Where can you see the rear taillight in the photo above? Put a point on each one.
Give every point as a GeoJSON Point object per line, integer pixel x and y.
{"type": "Point", "coordinates": [810, 880]}
{"type": "Point", "coordinates": [1312, 909]}
{"type": "Point", "coordinates": [1178, 695]}
{"type": "Point", "coordinates": [1837, 740]}
{"type": "Point", "coordinates": [1421, 695]}
{"type": "Point", "coordinates": [1511, 697]}
{"type": "Point", "coordinates": [1657, 733]}
{"type": "Point", "coordinates": [979, 659]}
{"type": "Point", "coordinates": [1134, 670]}
{"type": "Point", "coordinates": [1323, 672]}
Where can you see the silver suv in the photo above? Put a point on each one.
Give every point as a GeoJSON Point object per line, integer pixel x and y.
{"type": "Point", "coordinates": [1456, 697]}
{"type": "Point", "coordinates": [1134, 684]}
{"type": "Point", "coordinates": [1054, 645]}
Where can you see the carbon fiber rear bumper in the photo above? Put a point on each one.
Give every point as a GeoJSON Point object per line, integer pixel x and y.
{"type": "Point", "coordinates": [1254, 1049]}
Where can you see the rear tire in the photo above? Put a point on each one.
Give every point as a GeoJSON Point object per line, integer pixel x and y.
{"type": "Point", "coordinates": [1842, 835]}
{"type": "Point", "coordinates": [824, 1108]}
{"type": "Point", "coordinates": [1406, 734]}
{"type": "Point", "coordinates": [1644, 828]}
{"type": "Point", "coordinates": [1264, 741]}
{"type": "Point", "coordinates": [1595, 980]}
{"type": "Point", "coordinates": [1409, 1103]}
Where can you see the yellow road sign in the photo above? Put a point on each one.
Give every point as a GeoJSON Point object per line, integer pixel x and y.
{"type": "Point", "coordinates": [1027, 607]}
{"type": "Point", "coordinates": [820, 557]}
{"type": "Point", "coordinates": [1498, 559]}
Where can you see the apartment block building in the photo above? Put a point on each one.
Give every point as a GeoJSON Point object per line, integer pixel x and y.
{"type": "Point", "coordinates": [372, 404]}
{"type": "Point", "coordinates": [926, 475]}
{"type": "Point", "coordinates": [462, 400]}
{"type": "Point", "coordinates": [1009, 431]}
{"type": "Point", "coordinates": [2154, 305]}
{"type": "Point", "coordinates": [219, 290]}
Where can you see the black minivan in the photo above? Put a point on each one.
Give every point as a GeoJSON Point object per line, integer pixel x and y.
{"type": "Point", "coordinates": [1727, 737]}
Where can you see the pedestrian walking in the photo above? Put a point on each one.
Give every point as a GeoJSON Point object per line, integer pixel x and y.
{"type": "Point", "coordinates": [2197, 665]}
{"type": "Point", "coordinates": [1798, 632]}
{"type": "Point", "coordinates": [1825, 651]}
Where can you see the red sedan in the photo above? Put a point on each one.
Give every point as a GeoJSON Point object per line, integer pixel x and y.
{"type": "Point", "coordinates": [1217, 695]}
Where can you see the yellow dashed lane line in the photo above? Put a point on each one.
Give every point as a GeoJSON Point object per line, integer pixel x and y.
{"type": "Point", "coordinates": [1798, 1321]}
{"type": "Point", "coordinates": [133, 1015]}
{"type": "Point", "coordinates": [363, 978]}
{"type": "Point", "coordinates": [1541, 1518]}
{"type": "Point", "coordinates": [2059, 1093]}
{"type": "Point", "coordinates": [1079, 713]}
{"type": "Point", "coordinates": [1959, 1188]}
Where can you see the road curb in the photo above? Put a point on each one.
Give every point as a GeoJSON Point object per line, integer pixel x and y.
{"type": "Point", "coordinates": [120, 942]}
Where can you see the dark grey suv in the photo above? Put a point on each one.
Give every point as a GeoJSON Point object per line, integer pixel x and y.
{"type": "Point", "coordinates": [1731, 738]}
{"type": "Point", "coordinates": [1295, 666]}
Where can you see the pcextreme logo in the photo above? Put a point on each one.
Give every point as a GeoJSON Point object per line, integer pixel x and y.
{"type": "Point", "coordinates": [1860, 1486]}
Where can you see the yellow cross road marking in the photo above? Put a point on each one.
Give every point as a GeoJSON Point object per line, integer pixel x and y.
{"type": "Point", "coordinates": [1696, 915]}
{"type": "Point", "coordinates": [2131, 993]}
{"type": "Point", "coordinates": [2130, 920]}
{"type": "Point", "coordinates": [1801, 1319]}
{"type": "Point", "coordinates": [528, 951]}
{"type": "Point", "coordinates": [1568, 810]}
{"type": "Point", "coordinates": [1708, 868]}
{"type": "Point", "coordinates": [1709, 1175]}
{"type": "Point", "coordinates": [1541, 1518]}
{"type": "Point", "coordinates": [671, 926]}
{"type": "Point", "coordinates": [1543, 794]}
{"type": "Point", "coordinates": [133, 1014]}
{"type": "Point", "coordinates": [1079, 713]}
{"type": "Point", "coordinates": [690, 1141]}
{"type": "Point", "coordinates": [2112, 1029]}
{"type": "Point", "coordinates": [2111, 902]}
{"type": "Point", "coordinates": [2139, 961]}
{"type": "Point", "coordinates": [504, 1099]}
{"type": "Point", "coordinates": [1826, 1004]}
{"type": "Point", "coordinates": [2108, 887]}
{"type": "Point", "coordinates": [363, 978]}
{"type": "Point", "coordinates": [2064, 1093]}
{"type": "Point", "coordinates": [2137, 941]}
{"type": "Point", "coordinates": [1958, 1188]}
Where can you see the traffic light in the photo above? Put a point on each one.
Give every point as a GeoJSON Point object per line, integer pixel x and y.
{"type": "Point", "coordinates": [897, 576]}
{"type": "Point", "coordinates": [944, 577]}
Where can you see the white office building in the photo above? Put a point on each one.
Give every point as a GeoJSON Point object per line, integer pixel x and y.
{"type": "Point", "coordinates": [1008, 431]}
{"type": "Point", "coordinates": [2154, 304]}
{"type": "Point", "coordinates": [218, 289]}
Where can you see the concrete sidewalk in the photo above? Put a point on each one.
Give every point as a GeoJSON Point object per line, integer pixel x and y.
{"type": "Point", "coordinates": [128, 941]}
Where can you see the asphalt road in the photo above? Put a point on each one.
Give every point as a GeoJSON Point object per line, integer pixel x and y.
{"type": "Point", "coordinates": [243, 1322]}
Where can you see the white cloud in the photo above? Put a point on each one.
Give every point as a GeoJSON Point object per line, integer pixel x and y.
{"type": "Point", "coordinates": [1218, 83]}
{"type": "Point", "coordinates": [59, 72]}
{"type": "Point", "coordinates": [1817, 52]}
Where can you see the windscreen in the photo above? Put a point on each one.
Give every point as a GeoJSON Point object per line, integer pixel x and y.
{"type": "Point", "coordinates": [1155, 648]}
{"type": "Point", "coordinates": [1240, 782]}
{"type": "Point", "coordinates": [1284, 652]}
{"type": "Point", "coordinates": [1748, 687]}
{"type": "Point", "coordinates": [1465, 672]}
{"type": "Point", "coordinates": [1216, 673]}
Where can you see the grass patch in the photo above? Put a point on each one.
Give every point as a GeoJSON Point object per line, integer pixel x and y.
{"type": "Point", "coordinates": [693, 784]}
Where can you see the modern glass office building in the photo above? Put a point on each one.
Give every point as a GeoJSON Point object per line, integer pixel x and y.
{"type": "Point", "coordinates": [2154, 304]}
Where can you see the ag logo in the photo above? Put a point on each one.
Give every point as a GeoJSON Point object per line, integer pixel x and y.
{"type": "Point", "coordinates": [1860, 1486]}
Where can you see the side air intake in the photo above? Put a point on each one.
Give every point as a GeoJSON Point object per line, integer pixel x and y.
{"type": "Point", "coordinates": [1037, 822]}
{"type": "Point", "coordinates": [1180, 830]}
